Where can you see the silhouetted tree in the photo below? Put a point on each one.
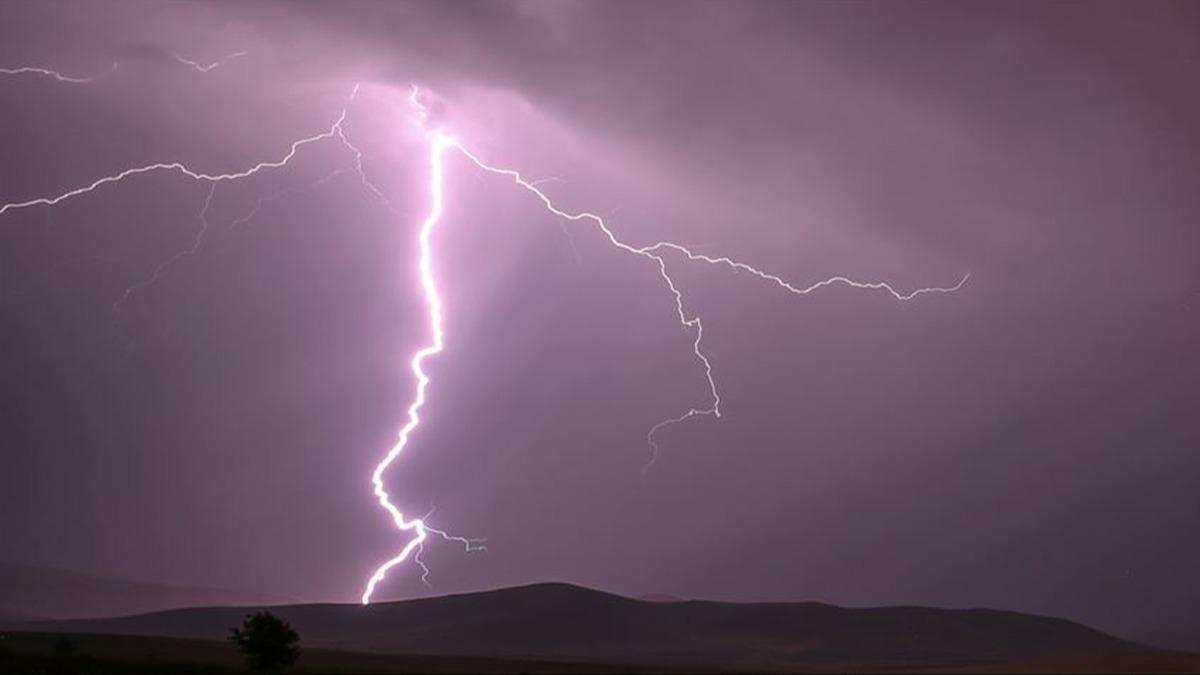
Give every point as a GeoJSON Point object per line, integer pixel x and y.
{"type": "Point", "coordinates": [267, 641]}
{"type": "Point", "coordinates": [65, 647]}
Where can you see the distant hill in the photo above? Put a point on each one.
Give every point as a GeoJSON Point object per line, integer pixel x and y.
{"type": "Point", "coordinates": [35, 592]}
{"type": "Point", "coordinates": [1180, 640]}
{"type": "Point", "coordinates": [659, 597]}
{"type": "Point", "coordinates": [8, 616]}
{"type": "Point", "coordinates": [567, 623]}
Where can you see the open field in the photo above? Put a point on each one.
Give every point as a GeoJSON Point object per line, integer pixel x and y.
{"type": "Point", "coordinates": [74, 653]}
{"type": "Point", "coordinates": [83, 653]}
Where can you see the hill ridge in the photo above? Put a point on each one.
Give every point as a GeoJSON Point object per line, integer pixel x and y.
{"type": "Point", "coordinates": [565, 622]}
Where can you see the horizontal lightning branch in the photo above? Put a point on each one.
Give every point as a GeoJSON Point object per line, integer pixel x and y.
{"type": "Point", "coordinates": [47, 72]}
{"type": "Point", "coordinates": [204, 68]}
{"type": "Point", "coordinates": [180, 168]}
{"type": "Point", "coordinates": [652, 253]}
{"type": "Point", "coordinates": [57, 75]}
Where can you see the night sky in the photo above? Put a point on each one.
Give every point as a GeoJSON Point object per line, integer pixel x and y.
{"type": "Point", "coordinates": [1030, 442]}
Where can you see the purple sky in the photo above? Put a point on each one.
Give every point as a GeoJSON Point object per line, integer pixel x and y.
{"type": "Point", "coordinates": [1030, 442]}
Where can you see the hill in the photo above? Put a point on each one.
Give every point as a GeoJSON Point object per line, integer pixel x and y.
{"type": "Point", "coordinates": [35, 592]}
{"type": "Point", "coordinates": [558, 622]}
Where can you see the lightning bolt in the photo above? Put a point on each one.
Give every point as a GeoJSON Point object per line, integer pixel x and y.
{"type": "Point", "coordinates": [47, 72]}
{"type": "Point", "coordinates": [71, 79]}
{"type": "Point", "coordinates": [204, 68]}
{"type": "Point", "coordinates": [335, 131]}
{"type": "Point", "coordinates": [162, 267]}
{"type": "Point", "coordinates": [181, 168]}
{"type": "Point", "coordinates": [439, 144]}
{"type": "Point", "coordinates": [689, 322]}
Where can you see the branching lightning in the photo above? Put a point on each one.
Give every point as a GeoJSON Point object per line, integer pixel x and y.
{"type": "Point", "coordinates": [165, 265]}
{"type": "Point", "coordinates": [47, 72]}
{"type": "Point", "coordinates": [204, 68]}
{"type": "Point", "coordinates": [71, 79]}
{"type": "Point", "coordinates": [440, 144]}
{"type": "Point", "coordinates": [180, 168]}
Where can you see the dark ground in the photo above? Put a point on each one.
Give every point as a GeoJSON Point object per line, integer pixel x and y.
{"type": "Point", "coordinates": [84, 653]}
{"type": "Point", "coordinates": [74, 653]}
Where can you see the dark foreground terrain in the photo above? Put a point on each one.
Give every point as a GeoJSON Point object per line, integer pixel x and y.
{"type": "Point", "coordinates": [86, 654]}
{"type": "Point", "coordinates": [546, 626]}
{"type": "Point", "coordinates": [72, 653]}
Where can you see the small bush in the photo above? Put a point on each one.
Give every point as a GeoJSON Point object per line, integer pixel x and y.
{"type": "Point", "coordinates": [65, 647]}
{"type": "Point", "coordinates": [267, 641]}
